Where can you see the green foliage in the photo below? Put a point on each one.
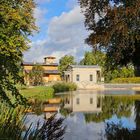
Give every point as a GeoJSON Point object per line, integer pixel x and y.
{"type": "Point", "coordinates": [12, 126]}
{"type": "Point", "coordinates": [114, 27]}
{"type": "Point", "coordinates": [64, 62]}
{"type": "Point", "coordinates": [16, 23]}
{"type": "Point", "coordinates": [62, 87]}
{"type": "Point", "coordinates": [119, 73]}
{"type": "Point", "coordinates": [21, 86]}
{"type": "Point", "coordinates": [39, 93]}
{"type": "Point", "coordinates": [126, 80]}
{"type": "Point", "coordinates": [99, 58]}
{"type": "Point", "coordinates": [93, 58]}
{"type": "Point", "coordinates": [47, 92]}
{"type": "Point", "coordinates": [36, 75]}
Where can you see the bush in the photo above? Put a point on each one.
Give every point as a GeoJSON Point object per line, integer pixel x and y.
{"type": "Point", "coordinates": [119, 73]}
{"type": "Point", "coordinates": [21, 86]}
{"type": "Point", "coordinates": [126, 80]}
{"type": "Point", "coordinates": [62, 87]}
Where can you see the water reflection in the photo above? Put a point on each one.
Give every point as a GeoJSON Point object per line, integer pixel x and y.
{"type": "Point", "coordinates": [83, 102]}
{"type": "Point", "coordinates": [49, 129]}
{"type": "Point", "coordinates": [119, 132]}
{"type": "Point", "coordinates": [111, 106]}
{"type": "Point", "coordinates": [94, 116]}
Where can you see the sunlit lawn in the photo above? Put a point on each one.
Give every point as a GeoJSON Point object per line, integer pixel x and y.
{"type": "Point", "coordinates": [39, 92]}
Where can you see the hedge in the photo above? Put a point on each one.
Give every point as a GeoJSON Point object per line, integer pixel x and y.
{"type": "Point", "coordinates": [126, 80]}
{"type": "Point", "coordinates": [62, 87]}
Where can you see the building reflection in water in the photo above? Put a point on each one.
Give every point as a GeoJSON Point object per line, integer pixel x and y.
{"type": "Point", "coordinates": [83, 102]}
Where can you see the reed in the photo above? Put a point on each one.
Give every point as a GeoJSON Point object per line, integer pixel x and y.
{"type": "Point", "coordinates": [12, 126]}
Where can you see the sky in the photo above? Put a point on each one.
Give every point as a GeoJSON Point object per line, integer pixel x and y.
{"type": "Point", "coordinates": [61, 31]}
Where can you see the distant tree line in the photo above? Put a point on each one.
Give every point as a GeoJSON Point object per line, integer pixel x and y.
{"type": "Point", "coordinates": [98, 58]}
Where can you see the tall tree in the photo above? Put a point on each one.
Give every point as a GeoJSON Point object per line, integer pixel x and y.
{"type": "Point", "coordinates": [16, 24]}
{"type": "Point", "coordinates": [115, 27]}
{"type": "Point", "coordinates": [93, 58]}
{"type": "Point", "coordinates": [36, 75]}
{"type": "Point", "coordinates": [65, 61]}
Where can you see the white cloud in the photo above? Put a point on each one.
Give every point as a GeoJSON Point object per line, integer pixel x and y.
{"type": "Point", "coordinates": [39, 15]}
{"type": "Point", "coordinates": [65, 35]}
{"type": "Point", "coordinates": [72, 3]}
{"type": "Point", "coordinates": [42, 1]}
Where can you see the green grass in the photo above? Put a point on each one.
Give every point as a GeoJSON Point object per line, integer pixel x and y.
{"type": "Point", "coordinates": [39, 92]}
{"type": "Point", "coordinates": [46, 92]}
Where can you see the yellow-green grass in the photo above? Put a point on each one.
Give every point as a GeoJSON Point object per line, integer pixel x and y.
{"type": "Point", "coordinates": [126, 96]}
{"type": "Point", "coordinates": [39, 92]}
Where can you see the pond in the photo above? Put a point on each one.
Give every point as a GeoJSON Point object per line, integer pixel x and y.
{"type": "Point", "coordinates": [95, 115]}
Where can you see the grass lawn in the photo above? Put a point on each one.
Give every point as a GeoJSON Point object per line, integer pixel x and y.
{"type": "Point", "coordinates": [39, 92]}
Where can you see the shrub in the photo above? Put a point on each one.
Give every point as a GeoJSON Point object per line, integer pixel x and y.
{"type": "Point", "coordinates": [126, 80]}
{"type": "Point", "coordinates": [62, 87]}
{"type": "Point", "coordinates": [21, 86]}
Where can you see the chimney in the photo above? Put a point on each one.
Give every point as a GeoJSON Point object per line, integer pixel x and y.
{"type": "Point", "coordinates": [49, 60]}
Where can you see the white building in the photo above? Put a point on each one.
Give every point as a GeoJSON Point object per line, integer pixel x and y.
{"type": "Point", "coordinates": [85, 76]}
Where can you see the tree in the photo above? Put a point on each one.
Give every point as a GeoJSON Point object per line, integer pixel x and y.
{"type": "Point", "coordinates": [65, 61]}
{"type": "Point", "coordinates": [16, 24]}
{"type": "Point", "coordinates": [93, 58]}
{"type": "Point", "coordinates": [123, 72]}
{"type": "Point", "coordinates": [114, 27]}
{"type": "Point", "coordinates": [36, 75]}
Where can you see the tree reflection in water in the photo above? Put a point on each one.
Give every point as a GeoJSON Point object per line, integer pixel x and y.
{"type": "Point", "coordinates": [121, 106]}
{"type": "Point", "coordinates": [118, 132]}
{"type": "Point", "coordinates": [111, 106]}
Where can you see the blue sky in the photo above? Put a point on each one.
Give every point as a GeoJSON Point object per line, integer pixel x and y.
{"type": "Point", "coordinates": [61, 31]}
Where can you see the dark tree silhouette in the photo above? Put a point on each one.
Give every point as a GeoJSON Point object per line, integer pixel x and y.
{"type": "Point", "coordinates": [114, 27]}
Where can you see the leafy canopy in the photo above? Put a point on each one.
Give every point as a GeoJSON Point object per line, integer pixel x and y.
{"type": "Point", "coordinates": [65, 61]}
{"type": "Point", "coordinates": [93, 58]}
{"type": "Point", "coordinates": [114, 27]}
{"type": "Point", "coordinates": [99, 58]}
{"type": "Point", "coordinates": [16, 24]}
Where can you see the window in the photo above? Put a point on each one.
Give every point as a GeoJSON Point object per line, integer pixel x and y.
{"type": "Point", "coordinates": [91, 100]}
{"type": "Point", "coordinates": [91, 77]}
{"type": "Point", "coordinates": [77, 77]}
{"type": "Point", "coordinates": [77, 101]}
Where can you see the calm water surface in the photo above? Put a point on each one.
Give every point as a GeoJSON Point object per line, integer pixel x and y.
{"type": "Point", "coordinates": [92, 115]}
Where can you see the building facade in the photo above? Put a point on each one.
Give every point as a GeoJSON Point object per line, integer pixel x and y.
{"type": "Point", "coordinates": [50, 70]}
{"type": "Point", "coordinates": [85, 76]}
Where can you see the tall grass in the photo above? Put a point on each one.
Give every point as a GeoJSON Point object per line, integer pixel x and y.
{"type": "Point", "coordinates": [11, 123]}
{"type": "Point", "coordinates": [12, 126]}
